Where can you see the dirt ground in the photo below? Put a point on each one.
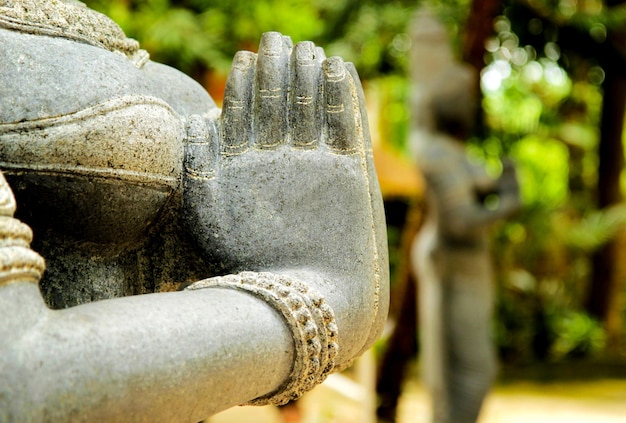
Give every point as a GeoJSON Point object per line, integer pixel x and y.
{"type": "Point", "coordinates": [591, 401]}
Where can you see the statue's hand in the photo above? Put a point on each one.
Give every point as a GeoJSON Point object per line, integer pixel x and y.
{"type": "Point", "coordinates": [283, 181]}
{"type": "Point", "coordinates": [508, 189]}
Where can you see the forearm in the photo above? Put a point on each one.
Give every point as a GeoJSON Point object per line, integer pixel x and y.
{"type": "Point", "coordinates": [165, 357]}
{"type": "Point", "coordinates": [331, 316]}
{"type": "Point", "coordinates": [467, 217]}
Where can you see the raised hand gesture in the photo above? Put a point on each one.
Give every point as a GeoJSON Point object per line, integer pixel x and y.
{"type": "Point", "coordinates": [283, 182]}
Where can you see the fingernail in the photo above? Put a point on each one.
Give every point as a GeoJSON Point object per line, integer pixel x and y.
{"type": "Point", "coordinates": [334, 69]}
{"type": "Point", "coordinates": [243, 60]}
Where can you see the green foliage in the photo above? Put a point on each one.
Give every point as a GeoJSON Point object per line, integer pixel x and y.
{"type": "Point", "coordinates": [545, 116]}
{"type": "Point", "coordinates": [543, 168]}
{"type": "Point", "coordinates": [375, 38]}
{"type": "Point", "coordinates": [533, 324]}
{"type": "Point", "coordinates": [391, 94]}
{"type": "Point", "coordinates": [205, 34]}
{"type": "Point", "coordinates": [596, 228]}
{"type": "Point", "coordinates": [576, 335]}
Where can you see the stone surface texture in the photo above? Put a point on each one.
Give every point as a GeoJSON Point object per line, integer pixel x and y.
{"type": "Point", "coordinates": [134, 182]}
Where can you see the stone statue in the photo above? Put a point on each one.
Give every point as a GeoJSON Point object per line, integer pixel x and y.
{"type": "Point", "coordinates": [268, 213]}
{"type": "Point", "coordinates": [451, 254]}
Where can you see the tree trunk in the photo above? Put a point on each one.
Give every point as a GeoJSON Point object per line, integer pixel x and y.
{"type": "Point", "coordinates": [479, 27]}
{"type": "Point", "coordinates": [605, 284]}
{"type": "Point", "coordinates": [401, 347]}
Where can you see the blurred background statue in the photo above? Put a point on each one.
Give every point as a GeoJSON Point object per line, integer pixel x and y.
{"type": "Point", "coordinates": [451, 255]}
{"type": "Point", "coordinates": [452, 259]}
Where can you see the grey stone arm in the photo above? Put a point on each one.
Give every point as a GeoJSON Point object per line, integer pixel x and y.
{"type": "Point", "coordinates": [178, 356]}
{"type": "Point", "coordinates": [282, 179]}
{"type": "Point", "coordinates": [509, 189]}
{"type": "Point", "coordinates": [459, 188]}
{"type": "Point", "coordinates": [166, 357]}
{"type": "Point", "coordinates": [483, 183]}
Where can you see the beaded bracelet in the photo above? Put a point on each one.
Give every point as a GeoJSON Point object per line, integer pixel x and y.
{"type": "Point", "coordinates": [307, 315]}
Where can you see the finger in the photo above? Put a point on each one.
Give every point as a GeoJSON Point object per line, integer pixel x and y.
{"type": "Point", "coordinates": [376, 202]}
{"type": "Point", "coordinates": [305, 120]}
{"type": "Point", "coordinates": [339, 108]}
{"type": "Point", "coordinates": [271, 96]}
{"type": "Point", "coordinates": [320, 54]}
{"type": "Point", "coordinates": [201, 147]}
{"type": "Point", "coordinates": [362, 121]}
{"type": "Point", "coordinates": [237, 112]}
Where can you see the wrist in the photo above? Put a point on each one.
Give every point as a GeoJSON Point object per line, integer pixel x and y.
{"type": "Point", "coordinates": [309, 318]}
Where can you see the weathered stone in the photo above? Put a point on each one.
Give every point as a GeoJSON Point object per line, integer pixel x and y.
{"type": "Point", "coordinates": [135, 183]}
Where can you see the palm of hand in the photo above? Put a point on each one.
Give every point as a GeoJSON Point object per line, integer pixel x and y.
{"type": "Point", "coordinates": [285, 181]}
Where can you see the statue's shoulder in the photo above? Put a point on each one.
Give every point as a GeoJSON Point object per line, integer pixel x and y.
{"type": "Point", "coordinates": [69, 19]}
